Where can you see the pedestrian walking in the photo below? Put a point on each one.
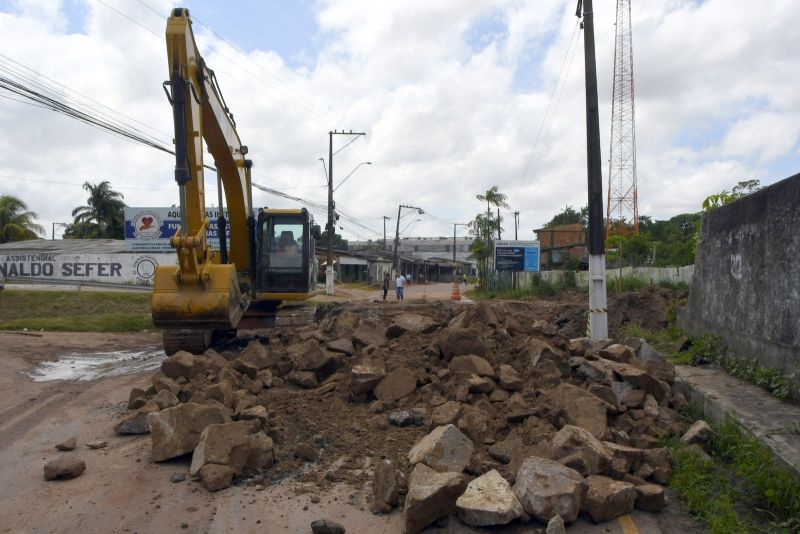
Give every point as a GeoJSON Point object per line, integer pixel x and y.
{"type": "Point", "coordinates": [386, 282]}
{"type": "Point", "coordinates": [399, 283]}
{"type": "Point", "coordinates": [465, 278]}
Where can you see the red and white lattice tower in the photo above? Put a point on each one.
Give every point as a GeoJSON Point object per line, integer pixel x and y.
{"type": "Point", "coordinates": [623, 210]}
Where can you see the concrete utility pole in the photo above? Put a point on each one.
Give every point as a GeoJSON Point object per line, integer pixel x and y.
{"type": "Point", "coordinates": [454, 238]}
{"type": "Point", "coordinates": [330, 227]}
{"type": "Point", "coordinates": [598, 314]}
{"type": "Point", "coordinates": [397, 234]}
{"type": "Point", "coordinates": [516, 225]}
{"type": "Point", "coordinates": [385, 218]}
{"type": "Point", "coordinates": [59, 225]}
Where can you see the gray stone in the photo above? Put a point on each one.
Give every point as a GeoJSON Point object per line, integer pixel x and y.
{"type": "Point", "coordinates": [366, 375]}
{"type": "Point", "coordinates": [176, 431]}
{"type": "Point", "coordinates": [700, 432]}
{"type": "Point", "coordinates": [411, 323]}
{"type": "Point", "coordinates": [431, 495]}
{"type": "Point", "coordinates": [165, 399]}
{"type": "Point", "coordinates": [233, 445]}
{"type": "Point", "coordinates": [556, 526]}
{"type": "Point", "coordinates": [342, 344]}
{"type": "Point", "coordinates": [487, 501]}
{"type": "Point", "coordinates": [607, 498]}
{"type": "Point", "coordinates": [258, 356]}
{"type": "Point", "coordinates": [458, 341]}
{"type": "Point", "coordinates": [177, 477]}
{"type": "Point", "coordinates": [137, 422]}
{"type": "Point", "coordinates": [68, 445]}
{"type": "Point", "coordinates": [573, 440]}
{"type": "Point", "coordinates": [308, 356]}
{"type": "Point", "coordinates": [446, 448]}
{"type": "Point", "coordinates": [183, 364]}
{"type": "Point", "coordinates": [545, 488]}
{"type": "Point", "coordinates": [369, 333]}
{"type": "Point", "coordinates": [97, 444]}
{"type": "Point", "coordinates": [446, 414]}
{"type": "Point", "coordinates": [407, 418]}
{"type": "Point", "coordinates": [64, 468]}
{"type": "Point", "coordinates": [387, 482]}
{"type": "Point", "coordinates": [137, 398]}
{"type": "Point", "coordinates": [326, 526]}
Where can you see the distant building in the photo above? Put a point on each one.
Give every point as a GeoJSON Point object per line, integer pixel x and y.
{"type": "Point", "coordinates": [427, 258]}
{"type": "Point", "coordinates": [559, 243]}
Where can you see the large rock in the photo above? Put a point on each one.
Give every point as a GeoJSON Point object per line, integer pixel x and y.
{"type": "Point", "coordinates": [368, 374]}
{"type": "Point", "coordinates": [304, 379]}
{"type": "Point", "coordinates": [326, 526]}
{"type": "Point", "coordinates": [387, 482]}
{"type": "Point", "coordinates": [176, 431]}
{"type": "Point", "coordinates": [446, 448]}
{"type": "Point", "coordinates": [308, 356]}
{"type": "Point", "coordinates": [650, 498]}
{"type": "Point", "coordinates": [700, 432]}
{"type": "Point", "coordinates": [431, 495]}
{"type": "Point", "coordinates": [618, 353]}
{"type": "Point", "coordinates": [183, 364]}
{"type": "Point", "coordinates": [545, 488]}
{"type": "Point", "coordinates": [589, 455]}
{"type": "Point", "coordinates": [216, 477]}
{"type": "Point", "coordinates": [411, 323]}
{"type": "Point", "coordinates": [488, 500]}
{"type": "Point", "coordinates": [64, 468]}
{"type": "Point", "coordinates": [508, 378]}
{"type": "Point", "coordinates": [369, 333]}
{"type": "Point", "coordinates": [137, 423]}
{"type": "Point", "coordinates": [233, 445]}
{"type": "Point", "coordinates": [342, 345]}
{"type": "Point", "coordinates": [164, 399]}
{"type": "Point", "coordinates": [459, 341]}
{"type": "Point", "coordinates": [471, 365]}
{"type": "Point", "coordinates": [257, 355]}
{"type": "Point", "coordinates": [581, 408]}
{"type": "Point", "coordinates": [639, 378]}
{"type": "Point", "coordinates": [68, 445]}
{"type": "Point", "coordinates": [607, 498]}
{"type": "Point", "coordinates": [221, 392]}
{"type": "Point", "coordinates": [396, 385]}
{"type": "Point", "coordinates": [445, 414]}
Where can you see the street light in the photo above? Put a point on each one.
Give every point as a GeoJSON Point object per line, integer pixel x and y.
{"type": "Point", "coordinates": [397, 232]}
{"type": "Point", "coordinates": [324, 168]}
{"type": "Point", "coordinates": [351, 173]}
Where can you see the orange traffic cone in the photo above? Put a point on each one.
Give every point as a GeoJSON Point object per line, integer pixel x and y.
{"type": "Point", "coordinates": [456, 293]}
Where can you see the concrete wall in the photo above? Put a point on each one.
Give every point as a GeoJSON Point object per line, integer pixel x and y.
{"type": "Point", "coordinates": [651, 275]}
{"type": "Point", "coordinates": [746, 286]}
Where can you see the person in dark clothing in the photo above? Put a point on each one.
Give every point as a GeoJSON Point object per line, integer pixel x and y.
{"type": "Point", "coordinates": [386, 282]}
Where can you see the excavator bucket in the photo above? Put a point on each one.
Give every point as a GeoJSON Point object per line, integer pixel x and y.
{"type": "Point", "coordinates": [214, 304]}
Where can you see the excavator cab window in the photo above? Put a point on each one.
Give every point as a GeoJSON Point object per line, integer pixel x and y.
{"type": "Point", "coordinates": [283, 251]}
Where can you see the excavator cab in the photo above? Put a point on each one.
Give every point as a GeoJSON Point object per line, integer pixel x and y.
{"type": "Point", "coordinates": [286, 268]}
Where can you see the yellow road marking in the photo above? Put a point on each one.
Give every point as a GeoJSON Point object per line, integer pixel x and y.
{"type": "Point", "coordinates": [628, 525]}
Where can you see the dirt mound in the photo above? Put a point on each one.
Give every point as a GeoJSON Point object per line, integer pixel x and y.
{"type": "Point", "coordinates": [365, 383]}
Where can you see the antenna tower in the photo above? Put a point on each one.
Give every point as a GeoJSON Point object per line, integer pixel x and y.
{"type": "Point", "coordinates": [622, 216]}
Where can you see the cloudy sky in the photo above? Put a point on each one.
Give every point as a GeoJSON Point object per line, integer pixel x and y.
{"type": "Point", "coordinates": [455, 96]}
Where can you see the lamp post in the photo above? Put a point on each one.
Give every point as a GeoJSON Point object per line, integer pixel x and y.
{"type": "Point", "coordinates": [331, 226]}
{"type": "Point", "coordinates": [397, 233]}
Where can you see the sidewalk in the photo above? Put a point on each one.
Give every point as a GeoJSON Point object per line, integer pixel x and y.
{"type": "Point", "coordinates": [774, 423]}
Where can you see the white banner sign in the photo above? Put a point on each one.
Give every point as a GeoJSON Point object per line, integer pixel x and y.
{"type": "Point", "coordinates": [133, 269]}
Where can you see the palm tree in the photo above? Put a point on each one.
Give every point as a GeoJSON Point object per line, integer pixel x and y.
{"type": "Point", "coordinates": [493, 197]}
{"type": "Point", "coordinates": [103, 217]}
{"type": "Point", "coordinates": [16, 222]}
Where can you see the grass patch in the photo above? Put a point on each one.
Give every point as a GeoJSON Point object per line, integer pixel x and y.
{"type": "Point", "coordinates": [75, 311]}
{"type": "Point", "coordinates": [537, 288]}
{"type": "Point", "coordinates": [742, 489]}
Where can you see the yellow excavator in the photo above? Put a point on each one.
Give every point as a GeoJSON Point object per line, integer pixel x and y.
{"type": "Point", "coordinates": [270, 257]}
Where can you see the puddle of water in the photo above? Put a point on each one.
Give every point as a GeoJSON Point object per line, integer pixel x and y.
{"type": "Point", "coordinates": [93, 365]}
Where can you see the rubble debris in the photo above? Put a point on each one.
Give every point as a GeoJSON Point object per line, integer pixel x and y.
{"type": "Point", "coordinates": [488, 500]}
{"type": "Point", "coordinates": [446, 448]}
{"type": "Point", "coordinates": [387, 482]}
{"type": "Point", "coordinates": [177, 477]}
{"type": "Point", "coordinates": [326, 526]}
{"type": "Point", "coordinates": [398, 384]}
{"type": "Point", "coordinates": [412, 323]}
{"type": "Point", "coordinates": [471, 365]}
{"type": "Point", "coordinates": [216, 477]}
{"type": "Point", "coordinates": [68, 445]}
{"type": "Point", "coordinates": [64, 468]}
{"type": "Point", "coordinates": [546, 488]}
{"type": "Point", "coordinates": [342, 344]}
{"type": "Point", "coordinates": [234, 445]}
{"type": "Point", "coordinates": [407, 418]}
{"type": "Point", "coordinates": [699, 433]}
{"type": "Point", "coordinates": [577, 448]}
{"type": "Point", "coordinates": [508, 378]}
{"type": "Point", "coordinates": [136, 423]}
{"type": "Point", "coordinates": [431, 495]}
{"type": "Point", "coordinates": [459, 341]}
{"type": "Point", "coordinates": [650, 498]}
{"type": "Point", "coordinates": [607, 498]}
{"type": "Point", "coordinates": [556, 526]}
{"type": "Point", "coordinates": [97, 444]}
{"type": "Point", "coordinates": [306, 452]}
{"type": "Point", "coordinates": [176, 431]}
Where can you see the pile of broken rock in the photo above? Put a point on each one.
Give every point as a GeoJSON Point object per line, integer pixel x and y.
{"type": "Point", "coordinates": [523, 423]}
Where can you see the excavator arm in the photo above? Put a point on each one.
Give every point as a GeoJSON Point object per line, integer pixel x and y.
{"type": "Point", "coordinates": [202, 294]}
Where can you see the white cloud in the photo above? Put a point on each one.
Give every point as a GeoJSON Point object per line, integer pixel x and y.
{"type": "Point", "coordinates": [716, 103]}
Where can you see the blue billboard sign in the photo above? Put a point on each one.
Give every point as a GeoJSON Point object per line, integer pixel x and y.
{"type": "Point", "coordinates": [516, 256]}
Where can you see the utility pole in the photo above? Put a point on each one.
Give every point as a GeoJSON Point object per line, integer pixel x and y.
{"type": "Point", "coordinates": [516, 225]}
{"type": "Point", "coordinates": [330, 227]}
{"type": "Point", "coordinates": [454, 238]}
{"type": "Point", "coordinates": [385, 218]}
{"type": "Point", "coordinates": [498, 224]}
{"type": "Point", "coordinates": [397, 234]}
{"type": "Point", "coordinates": [598, 314]}
{"type": "Point", "coordinates": [59, 225]}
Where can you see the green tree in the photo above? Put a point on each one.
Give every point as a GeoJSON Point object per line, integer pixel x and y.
{"type": "Point", "coordinates": [102, 218]}
{"type": "Point", "coordinates": [338, 242]}
{"type": "Point", "coordinates": [725, 197]}
{"type": "Point", "coordinates": [493, 197]}
{"type": "Point", "coordinates": [482, 227]}
{"type": "Point", "coordinates": [570, 216]}
{"type": "Point", "coordinates": [16, 222]}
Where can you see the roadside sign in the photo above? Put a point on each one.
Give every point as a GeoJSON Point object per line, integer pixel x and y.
{"type": "Point", "coordinates": [149, 229]}
{"type": "Point", "coordinates": [516, 256]}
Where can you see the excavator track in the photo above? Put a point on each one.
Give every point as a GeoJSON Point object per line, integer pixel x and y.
{"type": "Point", "coordinates": [196, 341]}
